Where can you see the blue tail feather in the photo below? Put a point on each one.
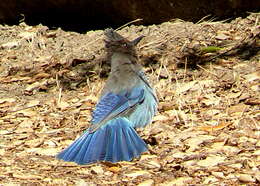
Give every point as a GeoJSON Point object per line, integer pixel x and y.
{"type": "Point", "coordinates": [70, 152]}
{"type": "Point", "coordinates": [116, 141]}
{"type": "Point", "coordinates": [135, 143]}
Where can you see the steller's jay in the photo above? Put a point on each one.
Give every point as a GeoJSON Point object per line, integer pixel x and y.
{"type": "Point", "coordinates": [127, 102]}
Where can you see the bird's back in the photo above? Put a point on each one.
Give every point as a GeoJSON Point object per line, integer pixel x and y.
{"type": "Point", "coordinates": [126, 75]}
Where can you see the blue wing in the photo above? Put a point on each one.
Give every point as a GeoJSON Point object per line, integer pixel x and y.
{"type": "Point", "coordinates": [111, 105]}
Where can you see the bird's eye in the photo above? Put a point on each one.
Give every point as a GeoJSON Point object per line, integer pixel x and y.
{"type": "Point", "coordinates": [124, 45]}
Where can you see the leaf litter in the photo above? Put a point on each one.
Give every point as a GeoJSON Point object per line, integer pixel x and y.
{"type": "Point", "coordinates": [207, 78]}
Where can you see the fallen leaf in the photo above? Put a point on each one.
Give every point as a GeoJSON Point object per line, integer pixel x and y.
{"type": "Point", "coordinates": [211, 161]}
{"type": "Point", "coordinates": [44, 151]}
{"type": "Point", "coordinates": [27, 112]}
{"type": "Point", "coordinates": [218, 174]}
{"type": "Point", "coordinates": [211, 99]}
{"type": "Point", "coordinates": [152, 164]}
{"type": "Point", "coordinates": [26, 176]}
{"type": "Point", "coordinates": [184, 87]}
{"type": "Point", "coordinates": [221, 126]}
{"type": "Point", "coordinates": [25, 126]}
{"type": "Point", "coordinates": [160, 118]}
{"type": "Point", "coordinates": [237, 109]}
{"type": "Point", "coordinates": [245, 178]}
{"type": "Point", "coordinates": [194, 143]}
{"type": "Point", "coordinates": [233, 95]}
{"type": "Point", "coordinates": [147, 156]}
{"type": "Point", "coordinates": [178, 181]}
{"type": "Point", "coordinates": [236, 165]}
{"type": "Point", "coordinates": [210, 180]}
{"type": "Point", "coordinates": [10, 45]}
{"type": "Point", "coordinates": [81, 182]}
{"type": "Point", "coordinates": [137, 173]}
{"type": "Point", "coordinates": [114, 169]}
{"type": "Point", "coordinates": [33, 86]}
{"type": "Point", "coordinates": [253, 76]}
{"type": "Point", "coordinates": [149, 182]}
{"type": "Point", "coordinates": [34, 143]}
{"type": "Point", "coordinates": [97, 170]}
{"type": "Point", "coordinates": [222, 36]}
{"type": "Point", "coordinates": [5, 100]}
{"type": "Point", "coordinates": [63, 105]}
{"type": "Point", "coordinates": [27, 35]}
{"type": "Point", "coordinates": [33, 103]}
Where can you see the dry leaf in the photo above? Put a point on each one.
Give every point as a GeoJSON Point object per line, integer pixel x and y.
{"type": "Point", "coordinates": [33, 86]}
{"type": "Point", "coordinates": [160, 118]}
{"type": "Point", "coordinates": [222, 35]}
{"type": "Point", "coordinates": [149, 182]}
{"type": "Point", "coordinates": [44, 151]}
{"type": "Point", "coordinates": [211, 99]}
{"type": "Point", "coordinates": [97, 170]}
{"type": "Point", "coordinates": [253, 76]}
{"type": "Point", "coordinates": [194, 143]}
{"type": "Point", "coordinates": [152, 164]}
{"type": "Point", "coordinates": [63, 105]}
{"type": "Point", "coordinates": [33, 103]}
{"type": "Point", "coordinates": [209, 180]}
{"type": "Point", "coordinates": [26, 176]}
{"type": "Point", "coordinates": [25, 126]}
{"type": "Point", "coordinates": [183, 87]}
{"type": "Point", "coordinates": [7, 100]}
{"type": "Point", "coordinates": [137, 173]}
{"type": "Point", "coordinates": [211, 161]}
{"type": "Point", "coordinates": [218, 174]}
{"type": "Point", "coordinates": [221, 126]}
{"type": "Point", "coordinates": [114, 169]}
{"type": "Point", "coordinates": [10, 45]}
{"type": "Point", "coordinates": [27, 35]}
{"type": "Point", "coordinates": [27, 112]}
{"type": "Point", "coordinates": [246, 178]}
{"type": "Point", "coordinates": [237, 109]}
{"type": "Point", "coordinates": [233, 95]}
{"type": "Point", "coordinates": [178, 181]}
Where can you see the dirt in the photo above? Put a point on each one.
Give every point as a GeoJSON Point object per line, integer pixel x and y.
{"type": "Point", "coordinates": [207, 77]}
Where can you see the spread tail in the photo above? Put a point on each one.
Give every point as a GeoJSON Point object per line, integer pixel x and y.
{"type": "Point", "coordinates": [116, 141]}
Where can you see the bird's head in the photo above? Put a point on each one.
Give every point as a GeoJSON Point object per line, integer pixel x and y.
{"type": "Point", "coordinates": [114, 42]}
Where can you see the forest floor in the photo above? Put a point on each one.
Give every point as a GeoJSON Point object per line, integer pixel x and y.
{"type": "Point", "coordinates": [207, 77]}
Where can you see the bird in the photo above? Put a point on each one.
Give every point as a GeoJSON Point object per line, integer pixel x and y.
{"type": "Point", "coordinates": [127, 102]}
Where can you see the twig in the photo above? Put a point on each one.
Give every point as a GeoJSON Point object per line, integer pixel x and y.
{"type": "Point", "coordinates": [60, 89]}
{"type": "Point", "coordinates": [207, 70]}
{"type": "Point", "coordinates": [128, 24]}
{"type": "Point", "coordinates": [24, 108]}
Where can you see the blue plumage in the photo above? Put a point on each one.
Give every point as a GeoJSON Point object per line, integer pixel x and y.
{"type": "Point", "coordinates": [117, 141]}
{"type": "Point", "coordinates": [112, 105]}
{"type": "Point", "coordinates": [127, 102]}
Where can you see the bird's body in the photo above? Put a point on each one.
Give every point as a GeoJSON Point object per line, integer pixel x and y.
{"type": "Point", "coordinates": [127, 102]}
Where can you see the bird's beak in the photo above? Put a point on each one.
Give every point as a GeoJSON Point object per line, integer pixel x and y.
{"type": "Point", "coordinates": [137, 40]}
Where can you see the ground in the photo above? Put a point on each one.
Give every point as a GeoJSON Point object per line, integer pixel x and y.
{"type": "Point", "coordinates": [206, 76]}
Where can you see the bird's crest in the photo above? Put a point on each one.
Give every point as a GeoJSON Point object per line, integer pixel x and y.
{"type": "Point", "coordinates": [115, 42]}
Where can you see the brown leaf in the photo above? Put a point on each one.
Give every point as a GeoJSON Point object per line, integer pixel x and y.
{"type": "Point", "coordinates": [246, 178]}
{"type": "Point", "coordinates": [220, 126]}
{"type": "Point", "coordinates": [211, 161]}
{"type": "Point", "coordinates": [149, 182]}
{"type": "Point", "coordinates": [114, 169]}
{"type": "Point", "coordinates": [137, 173]}
{"type": "Point", "coordinates": [237, 109]}
{"type": "Point", "coordinates": [97, 170]}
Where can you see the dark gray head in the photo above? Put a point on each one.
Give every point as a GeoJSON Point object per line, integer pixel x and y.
{"type": "Point", "coordinates": [117, 43]}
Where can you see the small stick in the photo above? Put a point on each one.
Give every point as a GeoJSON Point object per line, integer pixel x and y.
{"type": "Point", "coordinates": [128, 24]}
